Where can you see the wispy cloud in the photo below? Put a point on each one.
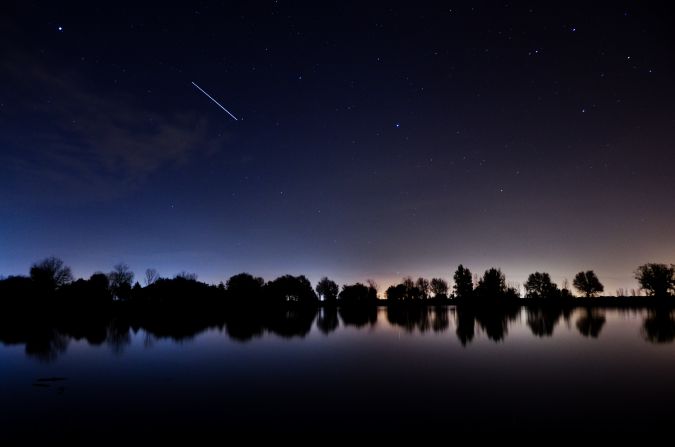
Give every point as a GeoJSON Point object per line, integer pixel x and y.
{"type": "Point", "coordinates": [75, 136]}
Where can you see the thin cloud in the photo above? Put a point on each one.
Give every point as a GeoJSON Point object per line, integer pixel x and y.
{"type": "Point", "coordinates": [82, 138]}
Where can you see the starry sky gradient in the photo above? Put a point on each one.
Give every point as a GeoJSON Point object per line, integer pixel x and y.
{"type": "Point", "coordinates": [374, 141]}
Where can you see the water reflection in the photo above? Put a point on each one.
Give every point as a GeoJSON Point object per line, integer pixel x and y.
{"type": "Point", "coordinates": [358, 316]}
{"type": "Point", "coordinates": [543, 320]}
{"type": "Point", "coordinates": [659, 326]}
{"type": "Point", "coordinates": [48, 337]}
{"type": "Point", "coordinates": [590, 322]}
{"type": "Point", "coordinates": [327, 319]}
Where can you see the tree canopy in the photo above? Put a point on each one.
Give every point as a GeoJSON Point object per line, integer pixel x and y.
{"type": "Point", "coordinates": [588, 283]}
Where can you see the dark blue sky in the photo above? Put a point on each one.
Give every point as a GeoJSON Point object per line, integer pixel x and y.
{"type": "Point", "coordinates": [373, 142]}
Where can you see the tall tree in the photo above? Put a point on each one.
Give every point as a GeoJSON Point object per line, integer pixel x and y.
{"type": "Point", "coordinates": [656, 279]}
{"type": "Point", "coordinates": [492, 284]}
{"type": "Point", "coordinates": [439, 287]}
{"type": "Point", "coordinates": [121, 278]}
{"type": "Point", "coordinates": [463, 283]}
{"type": "Point", "coordinates": [588, 283]}
{"type": "Point", "coordinates": [423, 285]}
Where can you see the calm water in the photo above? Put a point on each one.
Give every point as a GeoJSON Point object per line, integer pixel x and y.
{"type": "Point", "coordinates": [383, 371]}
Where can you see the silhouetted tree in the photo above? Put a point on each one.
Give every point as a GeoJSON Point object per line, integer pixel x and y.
{"type": "Point", "coordinates": [92, 292]}
{"type": "Point", "coordinates": [244, 288]}
{"type": "Point", "coordinates": [327, 289]}
{"type": "Point", "coordinates": [120, 279]}
{"type": "Point", "coordinates": [187, 275]}
{"type": "Point", "coordinates": [423, 286]}
{"type": "Point", "coordinates": [656, 279]}
{"type": "Point", "coordinates": [290, 289]}
{"type": "Point", "coordinates": [396, 293]}
{"type": "Point", "coordinates": [588, 283]}
{"type": "Point", "coordinates": [357, 294]}
{"type": "Point", "coordinates": [151, 276]}
{"type": "Point", "coordinates": [539, 285]}
{"type": "Point", "coordinates": [492, 284]}
{"type": "Point", "coordinates": [373, 286]}
{"type": "Point", "coordinates": [439, 287]}
{"type": "Point", "coordinates": [99, 281]}
{"type": "Point", "coordinates": [16, 289]}
{"type": "Point", "coordinates": [50, 274]}
{"type": "Point", "coordinates": [463, 283]}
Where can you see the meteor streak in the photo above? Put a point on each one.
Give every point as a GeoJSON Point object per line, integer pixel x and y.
{"type": "Point", "coordinates": [211, 98]}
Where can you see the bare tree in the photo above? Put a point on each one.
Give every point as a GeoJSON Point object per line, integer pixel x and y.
{"type": "Point", "coordinates": [423, 285]}
{"type": "Point", "coordinates": [372, 284]}
{"type": "Point", "coordinates": [51, 273]}
{"type": "Point", "coordinates": [151, 276]}
{"type": "Point", "coordinates": [121, 278]}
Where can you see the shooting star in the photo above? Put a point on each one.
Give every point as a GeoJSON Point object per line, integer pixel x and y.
{"type": "Point", "coordinates": [211, 98]}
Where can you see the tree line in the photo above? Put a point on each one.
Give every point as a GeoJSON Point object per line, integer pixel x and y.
{"type": "Point", "coordinates": [50, 278]}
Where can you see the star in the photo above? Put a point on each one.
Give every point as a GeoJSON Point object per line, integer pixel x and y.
{"type": "Point", "coordinates": [397, 125]}
{"type": "Point", "coordinates": [59, 28]}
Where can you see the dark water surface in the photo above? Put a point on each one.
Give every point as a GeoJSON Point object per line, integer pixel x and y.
{"type": "Point", "coordinates": [381, 370]}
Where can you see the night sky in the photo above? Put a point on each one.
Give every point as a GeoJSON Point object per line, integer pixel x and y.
{"type": "Point", "coordinates": [372, 142]}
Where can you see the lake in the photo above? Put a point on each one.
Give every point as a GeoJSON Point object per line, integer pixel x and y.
{"type": "Point", "coordinates": [365, 370]}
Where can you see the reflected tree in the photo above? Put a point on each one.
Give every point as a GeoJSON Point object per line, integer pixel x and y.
{"type": "Point", "coordinates": [590, 322]}
{"type": "Point", "coordinates": [542, 320]}
{"type": "Point", "coordinates": [327, 319]}
{"type": "Point", "coordinates": [465, 324]}
{"type": "Point", "coordinates": [441, 321]}
{"type": "Point", "coordinates": [659, 326]}
{"type": "Point", "coordinates": [118, 337]}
